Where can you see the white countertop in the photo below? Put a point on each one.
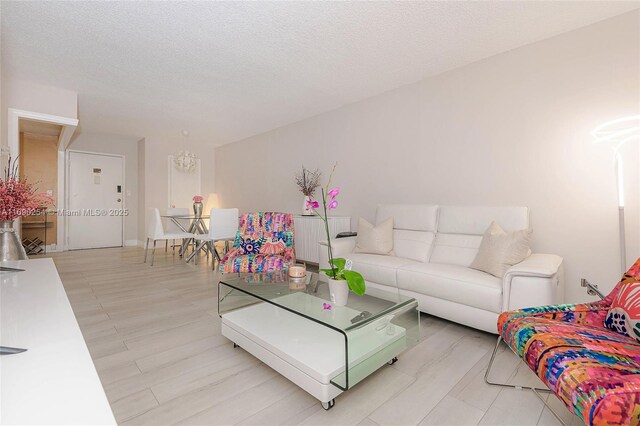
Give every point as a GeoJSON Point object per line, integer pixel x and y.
{"type": "Point", "coordinates": [54, 381]}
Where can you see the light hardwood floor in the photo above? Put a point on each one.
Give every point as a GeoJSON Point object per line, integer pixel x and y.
{"type": "Point", "coordinates": [154, 336]}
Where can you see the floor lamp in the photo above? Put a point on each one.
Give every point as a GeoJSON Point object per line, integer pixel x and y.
{"type": "Point", "coordinates": [617, 133]}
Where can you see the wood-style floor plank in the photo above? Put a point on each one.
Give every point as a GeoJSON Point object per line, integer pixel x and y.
{"type": "Point", "coordinates": [154, 336]}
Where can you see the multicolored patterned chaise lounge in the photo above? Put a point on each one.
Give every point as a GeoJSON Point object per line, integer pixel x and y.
{"type": "Point", "coordinates": [594, 370]}
{"type": "Point", "coordinates": [264, 243]}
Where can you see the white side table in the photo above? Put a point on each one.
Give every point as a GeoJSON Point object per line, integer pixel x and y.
{"type": "Point", "coordinates": [309, 231]}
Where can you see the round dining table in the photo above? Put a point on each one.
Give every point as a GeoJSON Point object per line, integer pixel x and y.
{"type": "Point", "coordinates": [197, 225]}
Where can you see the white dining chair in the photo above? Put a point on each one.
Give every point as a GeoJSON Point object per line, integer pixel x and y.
{"type": "Point", "coordinates": [156, 232]}
{"type": "Point", "coordinates": [172, 228]}
{"type": "Point", "coordinates": [223, 226]}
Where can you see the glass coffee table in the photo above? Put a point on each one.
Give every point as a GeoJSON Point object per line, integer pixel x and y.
{"type": "Point", "coordinates": [291, 326]}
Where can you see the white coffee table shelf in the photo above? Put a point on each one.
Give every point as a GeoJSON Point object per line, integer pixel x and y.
{"type": "Point", "coordinates": [294, 333]}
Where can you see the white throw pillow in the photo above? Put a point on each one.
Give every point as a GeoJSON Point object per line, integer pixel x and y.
{"type": "Point", "coordinates": [375, 239]}
{"type": "Point", "coordinates": [500, 250]}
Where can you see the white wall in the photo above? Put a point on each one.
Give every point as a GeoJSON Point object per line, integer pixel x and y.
{"type": "Point", "coordinates": [33, 97]}
{"type": "Point", "coordinates": [509, 130]}
{"type": "Point", "coordinates": [120, 145]}
{"type": "Point", "coordinates": [156, 181]}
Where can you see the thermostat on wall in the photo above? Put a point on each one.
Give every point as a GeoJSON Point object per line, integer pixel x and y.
{"type": "Point", "coordinates": [96, 176]}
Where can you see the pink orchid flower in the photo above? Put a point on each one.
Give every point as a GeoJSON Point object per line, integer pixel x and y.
{"type": "Point", "coordinates": [313, 204]}
{"type": "Point", "coordinates": [334, 193]}
{"type": "Point", "coordinates": [332, 205]}
{"type": "Point", "coordinates": [326, 306]}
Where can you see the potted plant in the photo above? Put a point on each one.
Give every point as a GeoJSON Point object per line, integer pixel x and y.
{"type": "Point", "coordinates": [308, 181]}
{"type": "Point", "coordinates": [341, 277]}
{"type": "Point", "coordinates": [18, 198]}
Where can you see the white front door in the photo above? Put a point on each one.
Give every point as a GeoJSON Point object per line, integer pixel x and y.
{"type": "Point", "coordinates": [96, 200]}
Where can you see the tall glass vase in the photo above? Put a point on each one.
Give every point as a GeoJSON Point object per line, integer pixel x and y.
{"type": "Point", "coordinates": [10, 246]}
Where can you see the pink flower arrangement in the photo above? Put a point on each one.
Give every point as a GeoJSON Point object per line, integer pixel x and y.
{"type": "Point", "coordinates": [313, 204]}
{"type": "Point", "coordinates": [198, 199]}
{"type": "Point", "coordinates": [18, 197]}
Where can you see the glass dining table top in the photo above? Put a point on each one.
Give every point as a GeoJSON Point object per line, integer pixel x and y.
{"type": "Point", "coordinates": [189, 216]}
{"type": "Point", "coordinates": [196, 225]}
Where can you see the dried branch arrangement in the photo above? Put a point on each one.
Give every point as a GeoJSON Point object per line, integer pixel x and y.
{"type": "Point", "coordinates": [308, 181]}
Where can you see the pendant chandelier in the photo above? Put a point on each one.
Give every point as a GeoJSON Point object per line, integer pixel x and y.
{"type": "Point", "coordinates": [185, 160]}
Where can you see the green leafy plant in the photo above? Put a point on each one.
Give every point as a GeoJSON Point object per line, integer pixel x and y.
{"type": "Point", "coordinates": [338, 266]}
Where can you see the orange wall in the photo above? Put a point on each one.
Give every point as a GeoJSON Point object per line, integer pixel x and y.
{"type": "Point", "coordinates": [39, 165]}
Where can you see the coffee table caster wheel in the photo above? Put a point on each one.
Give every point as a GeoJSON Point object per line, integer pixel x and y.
{"type": "Point", "coordinates": [328, 405]}
{"type": "Point", "coordinates": [393, 360]}
{"type": "Point", "coordinates": [235, 345]}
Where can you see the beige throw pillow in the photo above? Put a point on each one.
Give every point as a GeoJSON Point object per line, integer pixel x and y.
{"type": "Point", "coordinates": [375, 239]}
{"type": "Point", "coordinates": [500, 250]}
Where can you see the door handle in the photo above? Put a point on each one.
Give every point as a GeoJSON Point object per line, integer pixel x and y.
{"type": "Point", "coordinates": [119, 200]}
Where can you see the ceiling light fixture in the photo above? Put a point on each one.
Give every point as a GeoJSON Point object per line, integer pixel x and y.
{"type": "Point", "coordinates": [185, 160]}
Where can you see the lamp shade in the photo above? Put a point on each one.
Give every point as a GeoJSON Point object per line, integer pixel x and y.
{"type": "Point", "coordinates": [212, 202]}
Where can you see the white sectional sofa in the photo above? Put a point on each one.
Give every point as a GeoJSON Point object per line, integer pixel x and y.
{"type": "Point", "coordinates": [433, 248]}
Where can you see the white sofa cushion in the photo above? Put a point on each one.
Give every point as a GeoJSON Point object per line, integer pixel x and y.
{"type": "Point", "coordinates": [418, 217]}
{"type": "Point", "coordinates": [475, 220]}
{"type": "Point", "coordinates": [454, 283]}
{"type": "Point", "coordinates": [414, 228]}
{"type": "Point", "coordinates": [460, 230]}
{"type": "Point", "coordinates": [414, 245]}
{"type": "Point", "coordinates": [378, 268]}
{"type": "Point", "coordinates": [456, 249]}
{"type": "Point", "coordinates": [376, 239]}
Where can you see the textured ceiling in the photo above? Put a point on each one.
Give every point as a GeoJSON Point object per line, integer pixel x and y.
{"type": "Point", "coordinates": [228, 70]}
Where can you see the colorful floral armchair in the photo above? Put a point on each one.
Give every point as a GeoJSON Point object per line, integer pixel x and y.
{"type": "Point", "coordinates": [264, 243]}
{"type": "Point", "coordinates": [592, 369]}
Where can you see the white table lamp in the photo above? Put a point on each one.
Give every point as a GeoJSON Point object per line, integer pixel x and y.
{"type": "Point", "coordinates": [212, 202]}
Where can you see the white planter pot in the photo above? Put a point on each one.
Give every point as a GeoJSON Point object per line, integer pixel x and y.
{"type": "Point", "coordinates": [338, 291]}
{"type": "Point", "coordinates": [306, 210]}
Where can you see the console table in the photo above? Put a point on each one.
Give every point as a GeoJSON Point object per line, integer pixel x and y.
{"type": "Point", "coordinates": [309, 231]}
{"type": "Point", "coordinates": [54, 382]}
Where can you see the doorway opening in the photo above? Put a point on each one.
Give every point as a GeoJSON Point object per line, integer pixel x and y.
{"type": "Point", "coordinates": [38, 164]}
{"type": "Point", "coordinates": [68, 127]}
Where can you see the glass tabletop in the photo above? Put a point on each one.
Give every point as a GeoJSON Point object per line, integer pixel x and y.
{"type": "Point", "coordinates": [309, 297]}
{"type": "Point", "coordinates": [353, 340]}
{"type": "Point", "coordinates": [190, 216]}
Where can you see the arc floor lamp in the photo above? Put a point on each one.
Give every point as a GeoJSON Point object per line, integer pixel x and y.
{"type": "Point", "coordinates": [617, 133]}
